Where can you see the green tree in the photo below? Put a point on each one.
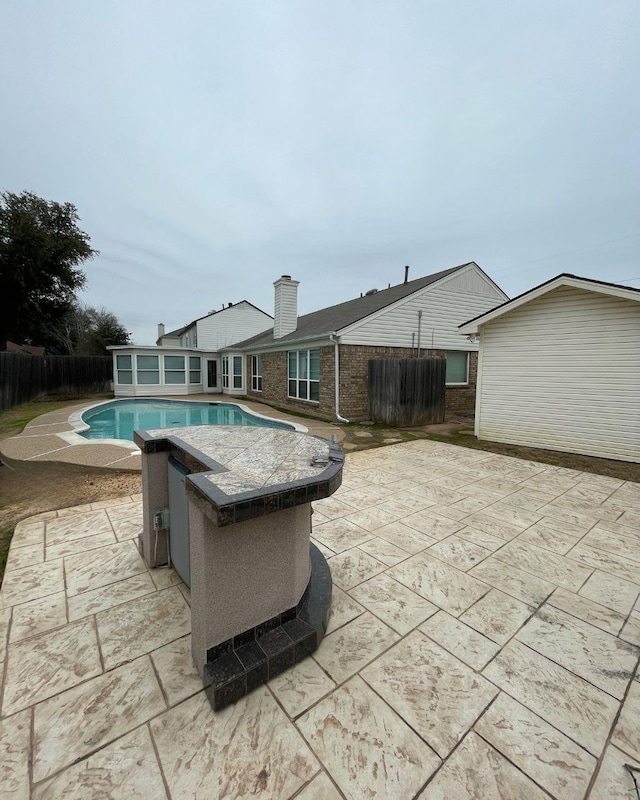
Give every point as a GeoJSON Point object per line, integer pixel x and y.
{"type": "Point", "coordinates": [41, 250]}
{"type": "Point", "coordinates": [86, 331]}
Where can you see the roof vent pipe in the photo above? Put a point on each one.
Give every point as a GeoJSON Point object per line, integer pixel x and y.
{"type": "Point", "coordinates": [406, 274]}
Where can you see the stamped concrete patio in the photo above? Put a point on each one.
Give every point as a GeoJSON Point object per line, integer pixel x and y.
{"type": "Point", "coordinates": [483, 644]}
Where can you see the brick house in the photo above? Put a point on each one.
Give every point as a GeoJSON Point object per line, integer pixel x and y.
{"type": "Point", "coordinates": [318, 363]}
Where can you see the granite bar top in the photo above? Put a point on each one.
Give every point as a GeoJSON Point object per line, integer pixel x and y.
{"type": "Point", "coordinates": [243, 472]}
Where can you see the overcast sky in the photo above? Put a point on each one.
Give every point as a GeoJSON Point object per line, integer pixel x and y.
{"type": "Point", "coordinates": [211, 147]}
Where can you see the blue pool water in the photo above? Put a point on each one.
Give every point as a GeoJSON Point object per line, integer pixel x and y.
{"type": "Point", "coordinates": [118, 420]}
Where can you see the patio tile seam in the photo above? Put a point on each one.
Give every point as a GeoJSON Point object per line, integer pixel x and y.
{"type": "Point", "coordinates": [48, 452]}
{"type": "Point", "coordinates": [51, 776]}
{"type": "Point", "coordinates": [39, 597]}
{"type": "Point", "coordinates": [80, 539]}
{"type": "Point", "coordinates": [109, 742]}
{"type": "Point", "coordinates": [513, 763]}
{"type": "Point", "coordinates": [392, 710]}
{"type": "Point", "coordinates": [5, 664]}
{"type": "Point", "coordinates": [501, 645]}
{"type": "Point", "coordinates": [535, 575]}
{"type": "Point", "coordinates": [614, 553]}
{"type": "Point", "coordinates": [31, 636]}
{"type": "Point", "coordinates": [576, 675]}
{"type": "Point", "coordinates": [154, 745]}
{"type": "Point", "coordinates": [608, 742]}
{"type": "Point", "coordinates": [537, 713]}
{"type": "Point", "coordinates": [94, 623]}
{"type": "Point", "coordinates": [575, 616]}
{"type": "Point", "coordinates": [338, 684]}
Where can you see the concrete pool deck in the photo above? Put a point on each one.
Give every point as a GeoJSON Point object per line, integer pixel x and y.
{"type": "Point", "coordinates": [483, 645]}
{"type": "Point", "coordinates": [52, 437]}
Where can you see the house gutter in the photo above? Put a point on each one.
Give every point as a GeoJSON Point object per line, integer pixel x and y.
{"type": "Point", "coordinates": [336, 368]}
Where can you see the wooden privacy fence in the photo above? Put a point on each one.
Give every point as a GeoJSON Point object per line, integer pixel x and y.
{"type": "Point", "coordinates": [407, 391]}
{"type": "Point", "coordinates": [24, 377]}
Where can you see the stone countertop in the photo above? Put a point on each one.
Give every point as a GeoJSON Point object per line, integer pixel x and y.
{"type": "Point", "coordinates": [243, 472]}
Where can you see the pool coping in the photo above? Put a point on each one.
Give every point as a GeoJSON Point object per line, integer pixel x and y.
{"type": "Point", "coordinates": [53, 436]}
{"type": "Point", "coordinates": [78, 424]}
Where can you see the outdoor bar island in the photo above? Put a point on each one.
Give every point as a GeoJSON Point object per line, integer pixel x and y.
{"type": "Point", "coordinates": [230, 509]}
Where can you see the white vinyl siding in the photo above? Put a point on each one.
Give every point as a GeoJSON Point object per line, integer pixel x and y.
{"type": "Point", "coordinates": [285, 308]}
{"type": "Point", "coordinates": [231, 325]}
{"type": "Point", "coordinates": [563, 373]}
{"type": "Point", "coordinates": [444, 306]}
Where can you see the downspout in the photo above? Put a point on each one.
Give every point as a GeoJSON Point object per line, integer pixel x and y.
{"type": "Point", "coordinates": [419, 326]}
{"type": "Point", "coordinates": [336, 370]}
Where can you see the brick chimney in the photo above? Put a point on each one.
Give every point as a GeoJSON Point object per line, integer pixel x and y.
{"type": "Point", "coordinates": [286, 306]}
{"type": "Point", "coordinates": [160, 330]}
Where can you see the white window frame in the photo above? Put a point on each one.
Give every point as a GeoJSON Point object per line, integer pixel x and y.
{"type": "Point", "coordinates": [173, 370]}
{"type": "Point", "coordinates": [197, 371]}
{"type": "Point", "coordinates": [256, 372]}
{"type": "Point", "coordinates": [147, 370]}
{"type": "Point", "coordinates": [297, 379]}
{"type": "Point", "coordinates": [128, 369]}
{"type": "Point", "coordinates": [225, 372]}
{"type": "Point", "coordinates": [238, 377]}
{"type": "Point", "coordinates": [466, 380]}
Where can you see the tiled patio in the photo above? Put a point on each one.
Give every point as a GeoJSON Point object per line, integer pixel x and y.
{"type": "Point", "coordinates": [484, 643]}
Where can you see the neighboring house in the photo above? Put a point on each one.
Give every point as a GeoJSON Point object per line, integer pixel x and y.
{"type": "Point", "coordinates": [559, 369]}
{"type": "Point", "coordinates": [25, 349]}
{"type": "Point", "coordinates": [318, 363]}
{"type": "Point", "coordinates": [187, 360]}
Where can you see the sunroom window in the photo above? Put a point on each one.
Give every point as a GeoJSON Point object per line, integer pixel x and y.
{"type": "Point", "coordinates": [124, 370]}
{"type": "Point", "coordinates": [148, 370]}
{"type": "Point", "coordinates": [174, 369]}
{"type": "Point", "coordinates": [194, 370]}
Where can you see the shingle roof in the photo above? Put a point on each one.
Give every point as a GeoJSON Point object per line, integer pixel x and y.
{"type": "Point", "coordinates": [564, 278]}
{"type": "Point", "coordinates": [334, 318]}
{"type": "Point", "coordinates": [180, 331]}
{"type": "Point", "coordinates": [177, 332]}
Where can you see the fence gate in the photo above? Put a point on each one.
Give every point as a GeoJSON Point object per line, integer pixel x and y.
{"type": "Point", "coordinates": [407, 391]}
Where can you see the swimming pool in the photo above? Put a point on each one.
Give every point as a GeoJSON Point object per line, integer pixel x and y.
{"type": "Point", "coordinates": [120, 418]}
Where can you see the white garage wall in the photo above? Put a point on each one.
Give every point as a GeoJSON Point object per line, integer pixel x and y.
{"type": "Point", "coordinates": [563, 373]}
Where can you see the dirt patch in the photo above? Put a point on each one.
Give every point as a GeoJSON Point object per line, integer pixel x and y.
{"type": "Point", "coordinates": [459, 430]}
{"type": "Point", "coordinates": [30, 487]}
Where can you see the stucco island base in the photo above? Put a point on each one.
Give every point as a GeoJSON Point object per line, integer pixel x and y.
{"type": "Point", "coordinates": [260, 592]}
